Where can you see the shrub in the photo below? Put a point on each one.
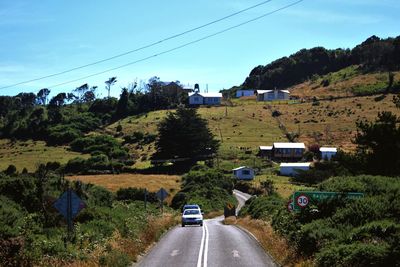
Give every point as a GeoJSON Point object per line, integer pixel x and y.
{"type": "Point", "coordinates": [99, 196]}
{"type": "Point", "coordinates": [75, 165]}
{"type": "Point", "coordinates": [132, 194]}
{"type": "Point", "coordinates": [11, 169]}
{"type": "Point", "coordinates": [61, 134]}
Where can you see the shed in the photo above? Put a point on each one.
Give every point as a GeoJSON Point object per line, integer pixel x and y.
{"type": "Point", "coordinates": [328, 152]}
{"type": "Point", "coordinates": [290, 169]}
{"type": "Point", "coordinates": [243, 173]}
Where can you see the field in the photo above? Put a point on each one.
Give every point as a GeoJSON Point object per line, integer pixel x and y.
{"type": "Point", "coordinates": [171, 183]}
{"type": "Point", "coordinates": [28, 154]}
{"type": "Point", "coordinates": [333, 122]}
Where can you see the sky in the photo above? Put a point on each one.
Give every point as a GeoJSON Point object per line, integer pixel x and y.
{"type": "Point", "coordinates": [41, 38]}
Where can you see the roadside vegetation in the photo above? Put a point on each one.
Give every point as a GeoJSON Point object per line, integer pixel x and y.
{"type": "Point", "coordinates": [113, 228]}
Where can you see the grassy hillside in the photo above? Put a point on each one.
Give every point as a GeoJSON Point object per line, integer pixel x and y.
{"type": "Point", "coordinates": [332, 122]}
{"type": "Point", "coordinates": [28, 154]}
{"type": "Point", "coordinates": [241, 127]}
{"type": "Point", "coordinates": [350, 81]}
{"type": "Point", "coordinates": [171, 183]}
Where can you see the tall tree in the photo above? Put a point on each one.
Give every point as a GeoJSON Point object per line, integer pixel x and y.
{"type": "Point", "coordinates": [184, 135]}
{"type": "Point", "coordinates": [42, 96]}
{"type": "Point", "coordinates": [379, 143]}
{"type": "Point", "coordinates": [110, 82]}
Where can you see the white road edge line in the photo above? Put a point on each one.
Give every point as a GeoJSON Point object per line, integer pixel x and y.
{"type": "Point", "coordinates": [206, 247]}
{"type": "Point", "coordinates": [201, 248]}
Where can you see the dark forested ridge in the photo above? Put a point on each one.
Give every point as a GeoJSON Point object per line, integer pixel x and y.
{"type": "Point", "coordinates": [374, 54]}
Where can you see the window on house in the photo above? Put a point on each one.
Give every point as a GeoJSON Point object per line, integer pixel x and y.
{"type": "Point", "coordinates": [246, 172]}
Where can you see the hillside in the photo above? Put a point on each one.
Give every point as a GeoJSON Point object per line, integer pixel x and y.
{"type": "Point", "coordinates": [374, 54]}
{"type": "Point", "coordinates": [349, 81]}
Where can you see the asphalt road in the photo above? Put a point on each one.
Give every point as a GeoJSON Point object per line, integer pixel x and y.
{"type": "Point", "coordinates": [214, 244]}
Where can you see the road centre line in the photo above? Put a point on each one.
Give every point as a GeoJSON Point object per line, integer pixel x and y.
{"type": "Point", "coordinates": [201, 247]}
{"type": "Point", "coordinates": [206, 246]}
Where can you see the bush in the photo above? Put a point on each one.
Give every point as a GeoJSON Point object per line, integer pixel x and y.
{"type": "Point", "coordinates": [11, 218]}
{"type": "Point", "coordinates": [99, 196]}
{"type": "Point", "coordinates": [132, 194]}
{"type": "Point", "coordinates": [11, 169]}
{"type": "Point", "coordinates": [61, 135]}
{"type": "Point", "coordinates": [75, 165]}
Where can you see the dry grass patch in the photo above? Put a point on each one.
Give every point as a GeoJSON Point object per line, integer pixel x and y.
{"type": "Point", "coordinates": [152, 182]}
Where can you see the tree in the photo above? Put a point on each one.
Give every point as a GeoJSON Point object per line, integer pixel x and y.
{"type": "Point", "coordinates": [123, 103]}
{"type": "Point", "coordinates": [42, 96]}
{"type": "Point", "coordinates": [80, 91]}
{"type": "Point", "coordinates": [110, 82]}
{"type": "Point", "coordinates": [184, 135]}
{"type": "Point", "coordinates": [379, 143]}
{"type": "Point", "coordinates": [58, 100]}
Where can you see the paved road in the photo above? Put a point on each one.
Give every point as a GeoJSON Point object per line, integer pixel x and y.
{"type": "Point", "coordinates": [214, 244]}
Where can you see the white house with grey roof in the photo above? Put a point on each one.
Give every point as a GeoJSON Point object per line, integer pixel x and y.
{"type": "Point", "coordinates": [197, 98]}
{"type": "Point", "coordinates": [327, 152]}
{"type": "Point", "coordinates": [270, 95]}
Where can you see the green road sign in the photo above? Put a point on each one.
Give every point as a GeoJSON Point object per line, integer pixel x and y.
{"type": "Point", "coordinates": [302, 199]}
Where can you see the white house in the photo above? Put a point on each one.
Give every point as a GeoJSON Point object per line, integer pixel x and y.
{"type": "Point", "coordinates": [198, 98]}
{"type": "Point", "coordinates": [270, 95]}
{"type": "Point", "coordinates": [290, 169]}
{"type": "Point", "coordinates": [327, 152]}
{"type": "Point", "coordinates": [243, 173]}
{"type": "Point", "coordinates": [240, 93]}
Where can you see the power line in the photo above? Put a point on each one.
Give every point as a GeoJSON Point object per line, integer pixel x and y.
{"type": "Point", "coordinates": [139, 48]}
{"type": "Point", "coordinates": [181, 46]}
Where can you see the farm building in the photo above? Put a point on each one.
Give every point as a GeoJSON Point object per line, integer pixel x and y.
{"type": "Point", "coordinates": [288, 150]}
{"type": "Point", "coordinates": [290, 169]}
{"type": "Point", "coordinates": [240, 93]}
{"type": "Point", "coordinates": [243, 173]}
{"type": "Point", "coordinates": [265, 151]}
{"type": "Point", "coordinates": [270, 95]}
{"type": "Point", "coordinates": [198, 98]}
{"type": "Point", "coordinates": [327, 152]}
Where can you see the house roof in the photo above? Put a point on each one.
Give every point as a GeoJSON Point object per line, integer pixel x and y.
{"type": "Point", "coordinates": [296, 164]}
{"type": "Point", "coordinates": [265, 147]}
{"type": "Point", "coordinates": [328, 149]}
{"type": "Point", "coordinates": [206, 94]}
{"type": "Point", "coordinates": [260, 92]}
{"type": "Point", "coordinates": [289, 145]}
{"type": "Point", "coordinates": [241, 168]}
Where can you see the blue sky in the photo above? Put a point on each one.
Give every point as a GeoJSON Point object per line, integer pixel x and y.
{"type": "Point", "coordinates": [43, 37]}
